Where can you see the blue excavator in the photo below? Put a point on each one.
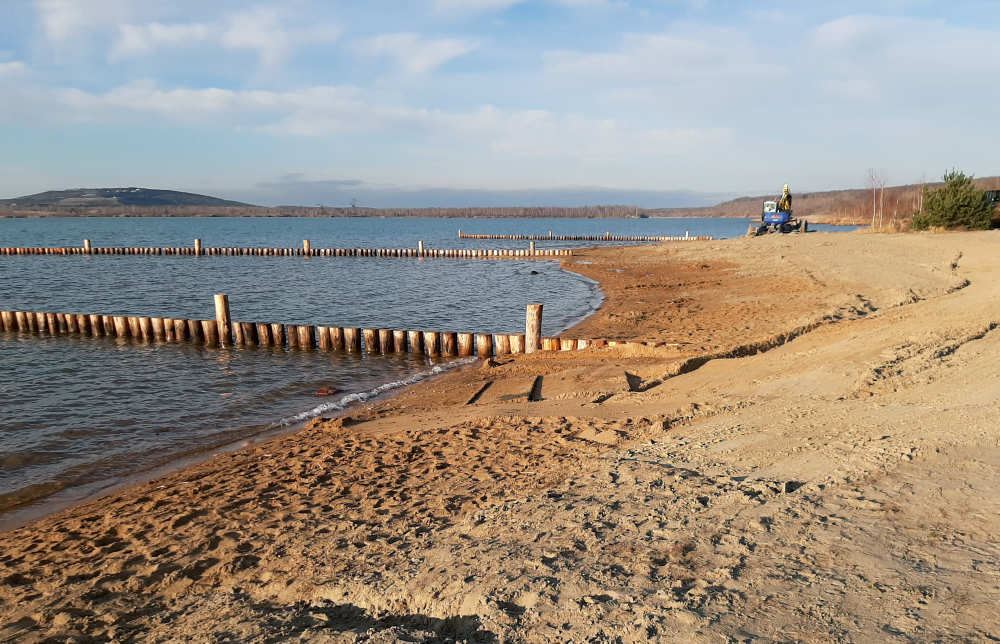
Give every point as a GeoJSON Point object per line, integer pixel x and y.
{"type": "Point", "coordinates": [777, 217]}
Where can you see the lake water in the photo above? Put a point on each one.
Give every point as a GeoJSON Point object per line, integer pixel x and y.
{"type": "Point", "coordinates": [79, 413]}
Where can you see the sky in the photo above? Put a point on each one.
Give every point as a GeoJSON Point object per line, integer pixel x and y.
{"type": "Point", "coordinates": [494, 102]}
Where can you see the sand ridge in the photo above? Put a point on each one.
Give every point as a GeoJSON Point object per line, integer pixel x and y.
{"type": "Point", "coordinates": [829, 476]}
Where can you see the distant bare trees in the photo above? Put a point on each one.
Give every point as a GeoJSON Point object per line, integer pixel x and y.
{"type": "Point", "coordinates": [875, 181]}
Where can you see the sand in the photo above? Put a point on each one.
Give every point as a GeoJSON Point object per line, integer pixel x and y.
{"type": "Point", "coordinates": [814, 458]}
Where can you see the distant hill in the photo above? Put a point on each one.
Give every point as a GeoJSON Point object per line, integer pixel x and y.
{"type": "Point", "coordinates": [105, 197]}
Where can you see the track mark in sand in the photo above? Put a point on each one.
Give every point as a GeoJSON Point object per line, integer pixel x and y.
{"type": "Point", "coordinates": [479, 394]}
{"type": "Point", "coordinates": [536, 390]}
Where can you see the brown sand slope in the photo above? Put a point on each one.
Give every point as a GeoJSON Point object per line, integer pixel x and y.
{"type": "Point", "coordinates": [840, 486]}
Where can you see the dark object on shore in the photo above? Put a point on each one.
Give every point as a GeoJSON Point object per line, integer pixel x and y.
{"type": "Point", "coordinates": [327, 391]}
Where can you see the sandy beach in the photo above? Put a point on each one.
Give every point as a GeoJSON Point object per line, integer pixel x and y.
{"type": "Point", "coordinates": [812, 457]}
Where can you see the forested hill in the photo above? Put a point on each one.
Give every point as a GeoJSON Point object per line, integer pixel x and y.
{"type": "Point", "coordinates": [112, 197]}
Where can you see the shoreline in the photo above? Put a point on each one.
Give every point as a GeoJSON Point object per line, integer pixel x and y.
{"type": "Point", "coordinates": [631, 493]}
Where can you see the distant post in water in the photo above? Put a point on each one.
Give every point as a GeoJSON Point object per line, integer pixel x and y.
{"type": "Point", "coordinates": [533, 328]}
{"type": "Point", "coordinates": [197, 247]}
{"type": "Point", "coordinates": [306, 247]}
{"type": "Point", "coordinates": [86, 246]}
{"type": "Point", "coordinates": [532, 248]}
{"type": "Point", "coordinates": [420, 248]}
{"type": "Point", "coordinates": [225, 329]}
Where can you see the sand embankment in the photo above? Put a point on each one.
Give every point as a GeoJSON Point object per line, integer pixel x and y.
{"type": "Point", "coordinates": [839, 486]}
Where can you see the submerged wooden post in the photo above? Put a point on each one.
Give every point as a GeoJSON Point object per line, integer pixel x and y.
{"type": "Point", "coordinates": [352, 339]}
{"type": "Point", "coordinates": [432, 345]}
{"type": "Point", "coordinates": [385, 341]}
{"type": "Point", "coordinates": [337, 338]}
{"type": "Point", "coordinates": [416, 341]}
{"type": "Point", "coordinates": [465, 344]}
{"type": "Point", "coordinates": [371, 340]}
{"type": "Point", "coordinates": [533, 328]}
{"type": "Point", "coordinates": [484, 345]}
{"type": "Point", "coordinates": [323, 338]}
{"type": "Point", "coordinates": [307, 336]}
{"type": "Point", "coordinates": [86, 246]}
{"type": "Point", "coordinates": [7, 320]}
{"type": "Point", "coordinates": [399, 341]}
{"type": "Point", "coordinates": [449, 344]}
{"type": "Point", "coordinates": [159, 330]}
{"type": "Point", "coordinates": [278, 335]}
{"type": "Point", "coordinates": [196, 331]}
{"type": "Point", "coordinates": [225, 330]}
{"type": "Point", "coordinates": [210, 331]}
{"type": "Point", "coordinates": [264, 334]}
{"type": "Point", "coordinates": [121, 326]}
{"type": "Point", "coordinates": [197, 247]}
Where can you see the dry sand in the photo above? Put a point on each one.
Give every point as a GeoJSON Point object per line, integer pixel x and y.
{"type": "Point", "coordinates": [831, 474]}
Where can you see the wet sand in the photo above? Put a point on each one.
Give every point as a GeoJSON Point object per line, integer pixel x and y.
{"type": "Point", "coordinates": [812, 458]}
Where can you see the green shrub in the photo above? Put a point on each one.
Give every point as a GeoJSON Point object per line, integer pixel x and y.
{"type": "Point", "coordinates": [958, 204]}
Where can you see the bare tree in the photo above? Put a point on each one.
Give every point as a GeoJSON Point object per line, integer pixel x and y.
{"type": "Point", "coordinates": [875, 181]}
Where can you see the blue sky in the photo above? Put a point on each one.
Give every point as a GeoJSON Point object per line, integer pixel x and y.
{"type": "Point", "coordinates": [494, 102]}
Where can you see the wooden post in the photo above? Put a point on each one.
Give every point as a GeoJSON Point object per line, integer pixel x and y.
{"type": "Point", "coordinates": [532, 248]}
{"type": "Point", "coordinates": [82, 323]}
{"type": "Point", "coordinates": [278, 335]}
{"type": "Point", "coordinates": [550, 344]}
{"type": "Point", "coordinates": [432, 346]}
{"type": "Point", "coordinates": [337, 338]}
{"type": "Point", "coordinates": [195, 331]}
{"type": "Point", "coordinates": [352, 339]}
{"type": "Point", "coordinates": [533, 328]}
{"type": "Point", "coordinates": [250, 334]}
{"type": "Point", "coordinates": [146, 328]}
{"type": "Point", "coordinates": [484, 345]}
{"type": "Point", "coordinates": [416, 341]}
{"type": "Point", "coordinates": [51, 323]}
{"type": "Point", "coordinates": [86, 246]}
{"type": "Point", "coordinates": [40, 322]}
{"type": "Point", "coordinates": [7, 321]}
{"type": "Point", "coordinates": [465, 344]}
{"type": "Point", "coordinates": [323, 338]}
{"type": "Point", "coordinates": [449, 344]}
{"type": "Point", "coordinates": [210, 331]}
{"type": "Point", "coordinates": [306, 247]}
{"type": "Point", "coordinates": [566, 344]}
{"type": "Point", "coordinates": [385, 341]}
{"type": "Point", "coordinates": [159, 330]}
{"type": "Point", "coordinates": [420, 248]}
{"type": "Point", "coordinates": [371, 340]}
{"type": "Point", "coordinates": [292, 335]}
{"type": "Point", "coordinates": [121, 326]}
{"type": "Point", "coordinates": [225, 331]}
{"type": "Point", "coordinates": [264, 335]}
{"type": "Point", "coordinates": [516, 343]}
{"type": "Point", "coordinates": [22, 320]}
{"type": "Point", "coordinates": [70, 322]}
{"type": "Point", "coordinates": [107, 322]}
{"type": "Point", "coordinates": [399, 341]}
{"type": "Point", "coordinates": [197, 247]}
{"type": "Point", "coordinates": [238, 340]}
{"type": "Point", "coordinates": [307, 336]}
{"type": "Point", "coordinates": [501, 342]}
{"type": "Point", "coordinates": [97, 325]}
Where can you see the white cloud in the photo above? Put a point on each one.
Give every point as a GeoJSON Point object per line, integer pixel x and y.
{"type": "Point", "coordinates": [473, 6]}
{"type": "Point", "coordinates": [259, 30]}
{"type": "Point", "coordinates": [412, 54]}
{"type": "Point", "coordinates": [141, 39]}
{"type": "Point", "coordinates": [12, 69]}
{"type": "Point", "coordinates": [332, 111]}
{"type": "Point", "coordinates": [657, 57]}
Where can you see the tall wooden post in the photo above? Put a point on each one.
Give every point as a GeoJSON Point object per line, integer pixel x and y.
{"type": "Point", "coordinates": [225, 329]}
{"type": "Point", "coordinates": [533, 328]}
{"type": "Point", "coordinates": [197, 247]}
{"type": "Point", "coordinates": [306, 247]}
{"type": "Point", "coordinates": [86, 246]}
{"type": "Point", "coordinates": [532, 248]}
{"type": "Point", "coordinates": [420, 248]}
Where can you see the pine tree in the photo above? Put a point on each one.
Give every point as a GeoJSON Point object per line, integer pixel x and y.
{"type": "Point", "coordinates": [958, 204]}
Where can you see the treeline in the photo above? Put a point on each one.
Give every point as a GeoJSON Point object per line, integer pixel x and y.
{"type": "Point", "coordinates": [836, 206]}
